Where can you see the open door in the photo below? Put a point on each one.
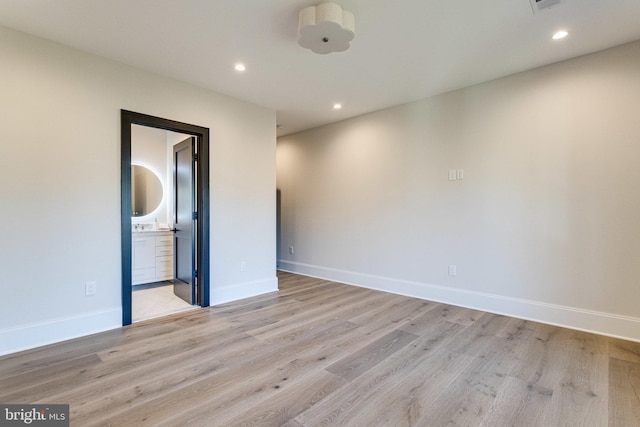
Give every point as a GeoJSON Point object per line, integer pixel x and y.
{"type": "Point", "coordinates": [196, 252]}
{"type": "Point", "coordinates": [185, 217]}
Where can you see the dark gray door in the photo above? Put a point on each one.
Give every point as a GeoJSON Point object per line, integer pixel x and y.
{"type": "Point", "coordinates": [184, 221]}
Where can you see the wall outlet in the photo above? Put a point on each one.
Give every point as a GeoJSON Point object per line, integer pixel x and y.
{"type": "Point", "coordinates": [460, 174]}
{"type": "Point", "coordinates": [291, 251]}
{"type": "Point", "coordinates": [243, 266]}
{"type": "Point", "coordinates": [90, 288]}
{"type": "Point", "coordinates": [452, 270]}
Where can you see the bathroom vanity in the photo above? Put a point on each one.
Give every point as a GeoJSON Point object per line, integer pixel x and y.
{"type": "Point", "coordinates": [152, 256]}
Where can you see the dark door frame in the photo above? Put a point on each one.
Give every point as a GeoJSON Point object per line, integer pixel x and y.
{"type": "Point", "coordinates": [128, 118]}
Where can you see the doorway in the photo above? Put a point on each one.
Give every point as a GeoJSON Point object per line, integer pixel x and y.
{"type": "Point", "coordinates": [199, 217]}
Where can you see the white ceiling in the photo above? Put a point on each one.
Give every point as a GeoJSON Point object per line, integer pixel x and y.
{"type": "Point", "coordinates": [404, 50]}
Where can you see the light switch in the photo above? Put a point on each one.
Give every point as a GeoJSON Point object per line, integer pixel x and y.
{"type": "Point", "coordinates": [452, 175]}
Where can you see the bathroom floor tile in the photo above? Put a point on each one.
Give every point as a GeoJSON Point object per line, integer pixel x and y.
{"type": "Point", "coordinates": [157, 301]}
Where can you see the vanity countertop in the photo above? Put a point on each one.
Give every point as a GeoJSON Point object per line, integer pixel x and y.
{"type": "Point", "coordinates": [151, 231]}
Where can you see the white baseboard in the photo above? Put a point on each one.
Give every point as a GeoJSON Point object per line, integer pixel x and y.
{"type": "Point", "coordinates": [25, 337]}
{"type": "Point", "coordinates": [609, 324]}
{"type": "Point", "coordinates": [33, 335]}
{"type": "Point", "coordinates": [242, 290]}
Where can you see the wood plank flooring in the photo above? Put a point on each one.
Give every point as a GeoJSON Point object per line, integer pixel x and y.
{"type": "Point", "coordinates": [319, 353]}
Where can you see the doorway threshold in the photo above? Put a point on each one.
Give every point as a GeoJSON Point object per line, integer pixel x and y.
{"type": "Point", "coordinates": [157, 301]}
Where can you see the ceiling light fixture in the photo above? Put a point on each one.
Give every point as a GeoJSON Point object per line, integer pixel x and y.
{"type": "Point", "coordinates": [240, 67]}
{"type": "Point", "coordinates": [337, 106]}
{"type": "Point", "coordinates": [560, 35]}
{"type": "Point", "coordinates": [325, 28]}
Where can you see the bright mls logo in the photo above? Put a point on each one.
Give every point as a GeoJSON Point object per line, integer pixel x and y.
{"type": "Point", "coordinates": [34, 415]}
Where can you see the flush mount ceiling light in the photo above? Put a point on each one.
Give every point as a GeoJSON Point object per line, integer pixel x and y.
{"type": "Point", "coordinates": [325, 28]}
{"type": "Point", "coordinates": [542, 5]}
{"type": "Point", "coordinates": [240, 67]}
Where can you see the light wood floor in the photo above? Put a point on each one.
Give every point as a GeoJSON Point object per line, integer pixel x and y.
{"type": "Point", "coordinates": [322, 353]}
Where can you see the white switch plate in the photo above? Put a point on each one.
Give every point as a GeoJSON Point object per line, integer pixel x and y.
{"type": "Point", "coordinates": [452, 174]}
{"type": "Point", "coordinates": [291, 250]}
{"type": "Point", "coordinates": [243, 266]}
{"type": "Point", "coordinates": [460, 174]}
{"type": "Point", "coordinates": [452, 270]}
{"type": "Point", "coordinates": [90, 288]}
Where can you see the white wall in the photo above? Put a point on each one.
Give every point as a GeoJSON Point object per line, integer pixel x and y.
{"type": "Point", "coordinates": [545, 224]}
{"type": "Point", "coordinates": [60, 187]}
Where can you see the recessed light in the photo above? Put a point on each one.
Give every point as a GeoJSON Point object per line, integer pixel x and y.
{"type": "Point", "coordinates": [560, 35]}
{"type": "Point", "coordinates": [337, 106]}
{"type": "Point", "coordinates": [240, 67]}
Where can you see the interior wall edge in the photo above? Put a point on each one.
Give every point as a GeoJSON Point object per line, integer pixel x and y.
{"type": "Point", "coordinates": [25, 337]}
{"type": "Point", "coordinates": [612, 325]}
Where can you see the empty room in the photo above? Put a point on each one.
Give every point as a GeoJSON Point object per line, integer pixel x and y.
{"type": "Point", "coordinates": [304, 213]}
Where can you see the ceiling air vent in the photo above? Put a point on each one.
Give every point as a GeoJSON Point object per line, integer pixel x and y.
{"type": "Point", "coordinates": [540, 5]}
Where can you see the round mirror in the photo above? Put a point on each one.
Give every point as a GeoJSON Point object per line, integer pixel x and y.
{"type": "Point", "coordinates": [146, 191]}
